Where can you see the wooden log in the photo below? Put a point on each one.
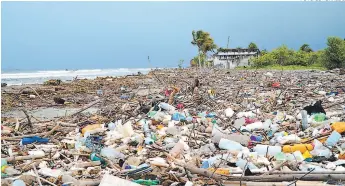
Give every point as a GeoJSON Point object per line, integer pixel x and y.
{"type": "Point", "coordinates": [19, 158]}
{"type": "Point", "coordinates": [288, 177]}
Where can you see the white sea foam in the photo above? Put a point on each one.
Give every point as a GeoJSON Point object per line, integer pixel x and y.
{"type": "Point", "coordinates": [38, 77]}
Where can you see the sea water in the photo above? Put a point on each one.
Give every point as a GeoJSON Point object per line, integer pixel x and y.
{"type": "Point", "coordinates": [39, 77]}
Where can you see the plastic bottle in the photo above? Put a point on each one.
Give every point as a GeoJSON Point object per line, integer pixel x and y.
{"type": "Point", "coordinates": [304, 119]}
{"type": "Point", "coordinates": [18, 183]}
{"type": "Point", "coordinates": [339, 127]}
{"type": "Point", "coordinates": [146, 182]}
{"type": "Point", "coordinates": [333, 139]}
{"type": "Point", "coordinates": [297, 147]}
{"type": "Point", "coordinates": [229, 145]}
{"type": "Point", "coordinates": [166, 106]}
{"type": "Point", "coordinates": [148, 139]}
{"type": "Point", "coordinates": [265, 149]}
{"type": "Point", "coordinates": [90, 128]}
{"type": "Point", "coordinates": [112, 154]}
{"type": "Point", "coordinates": [256, 125]}
{"type": "Point", "coordinates": [33, 139]}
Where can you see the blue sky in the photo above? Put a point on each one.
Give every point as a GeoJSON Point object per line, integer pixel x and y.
{"type": "Point", "coordinates": [88, 35]}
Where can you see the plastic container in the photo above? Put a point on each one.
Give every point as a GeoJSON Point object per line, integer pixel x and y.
{"type": "Point", "coordinates": [112, 154]}
{"type": "Point", "coordinates": [265, 149]}
{"type": "Point", "coordinates": [229, 145]}
{"type": "Point", "coordinates": [34, 139]}
{"type": "Point", "coordinates": [90, 128]}
{"type": "Point", "coordinates": [333, 139]}
{"type": "Point", "coordinates": [297, 147]}
{"type": "Point", "coordinates": [339, 127]}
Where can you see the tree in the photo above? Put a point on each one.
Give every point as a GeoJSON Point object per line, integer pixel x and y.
{"type": "Point", "coordinates": [252, 46]}
{"type": "Point", "coordinates": [305, 48]}
{"type": "Point", "coordinates": [334, 54]}
{"type": "Point", "coordinates": [263, 52]}
{"type": "Point", "coordinates": [238, 48]}
{"type": "Point", "coordinates": [204, 42]}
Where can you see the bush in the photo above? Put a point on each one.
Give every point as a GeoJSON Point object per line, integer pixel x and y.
{"type": "Point", "coordinates": [334, 54]}
{"type": "Point", "coordinates": [285, 56]}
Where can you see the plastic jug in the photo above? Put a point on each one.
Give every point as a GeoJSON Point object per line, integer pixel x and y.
{"type": "Point", "coordinates": [265, 149]}
{"type": "Point", "coordinates": [339, 127]}
{"type": "Point", "coordinates": [297, 147]}
{"type": "Point", "coordinates": [229, 145]}
{"type": "Point", "coordinates": [333, 139]}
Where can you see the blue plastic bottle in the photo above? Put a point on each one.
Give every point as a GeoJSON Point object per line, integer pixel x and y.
{"type": "Point", "coordinates": [33, 139]}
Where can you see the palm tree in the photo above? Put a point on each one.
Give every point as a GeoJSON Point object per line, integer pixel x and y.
{"type": "Point", "coordinates": [203, 41]}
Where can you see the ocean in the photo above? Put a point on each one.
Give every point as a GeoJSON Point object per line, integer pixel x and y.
{"type": "Point", "coordinates": [38, 77]}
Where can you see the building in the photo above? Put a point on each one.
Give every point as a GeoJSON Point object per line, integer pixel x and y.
{"type": "Point", "coordinates": [231, 58]}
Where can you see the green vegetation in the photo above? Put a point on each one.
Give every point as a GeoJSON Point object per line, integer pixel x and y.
{"type": "Point", "coordinates": [279, 67]}
{"type": "Point", "coordinates": [279, 58]}
{"type": "Point", "coordinates": [205, 44]}
{"type": "Point", "coordinates": [332, 57]}
{"type": "Point", "coordinates": [334, 54]}
{"type": "Point", "coordinates": [252, 46]}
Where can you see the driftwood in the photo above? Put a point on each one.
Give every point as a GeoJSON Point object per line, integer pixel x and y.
{"type": "Point", "coordinates": [290, 177]}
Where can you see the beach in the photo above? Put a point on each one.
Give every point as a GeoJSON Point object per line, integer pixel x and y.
{"type": "Point", "coordinates": [139, 118]}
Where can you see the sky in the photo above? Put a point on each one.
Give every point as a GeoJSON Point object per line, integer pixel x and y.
{"type": "Point", "coordinates": [100, 35]}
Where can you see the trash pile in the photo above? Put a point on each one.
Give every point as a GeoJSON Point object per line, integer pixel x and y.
{"type": "Point", "coordinates": [198, 128]}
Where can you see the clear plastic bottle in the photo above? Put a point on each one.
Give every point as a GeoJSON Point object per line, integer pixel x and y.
{"type": "Point", "coordinates": [166, 106]}
{"type": "Point", "coordinates": [229, 145]}
{"type": "Point", "coordinates": [304, 119]}
{"type": "Point", "coordinates": [112, 154]}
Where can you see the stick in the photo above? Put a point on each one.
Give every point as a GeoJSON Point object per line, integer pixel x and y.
{"type": "Point", "coordinates": [19, 158]}
{"type": "Point", "coordinates": [37, 176]}
{"type": "Point", "coordinates": [46, 181]}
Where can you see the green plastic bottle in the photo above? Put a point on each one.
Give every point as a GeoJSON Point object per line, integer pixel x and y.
{"type": "Point", "coordinates": [146, 182]}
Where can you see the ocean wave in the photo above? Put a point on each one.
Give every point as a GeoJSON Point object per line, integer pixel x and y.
{"type": "Point", "coordinates": [41, 76]}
